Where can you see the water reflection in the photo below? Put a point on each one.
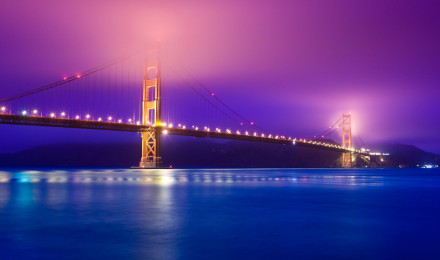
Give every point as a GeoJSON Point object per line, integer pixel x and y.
{"type": "Point", "coordinates": [189, 213]}
{"type": "Point", "coordinates": [166, 177]}
{"type": "Point", "coordinates": [59, 186]}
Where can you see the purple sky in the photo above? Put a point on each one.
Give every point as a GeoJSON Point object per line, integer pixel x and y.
{"type": "Point", "coordinates": [291, 66]}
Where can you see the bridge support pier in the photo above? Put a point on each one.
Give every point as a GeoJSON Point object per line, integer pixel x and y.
{"type": "Point", "coordinates": [347, 160]}
{"type": "Point", "coordinates": [151, 149]}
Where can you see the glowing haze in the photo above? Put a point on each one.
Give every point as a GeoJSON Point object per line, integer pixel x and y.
{"type": "Point", "coordinates": [290, 66]}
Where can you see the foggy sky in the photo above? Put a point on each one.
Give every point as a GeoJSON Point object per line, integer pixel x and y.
{"type": "Point", "coordinates": [290, 66]}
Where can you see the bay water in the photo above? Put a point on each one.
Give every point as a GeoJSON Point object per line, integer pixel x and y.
{"type": "Point", "coordinates": [56, 213]}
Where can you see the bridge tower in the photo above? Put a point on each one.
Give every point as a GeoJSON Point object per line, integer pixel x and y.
{"type": "Point", "coordinates": [151, 113]}
{"type": "Point", "coordinates": [346, 140]}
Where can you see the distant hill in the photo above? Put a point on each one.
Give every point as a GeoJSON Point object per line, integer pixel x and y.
{"type": "Point", "coordinates": [408, 155]}
{"type": "Point", "coordinates": [201, 152]}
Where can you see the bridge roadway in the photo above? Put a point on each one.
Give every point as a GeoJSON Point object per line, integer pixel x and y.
{"type": "Point", "coordinates": [112, 126]}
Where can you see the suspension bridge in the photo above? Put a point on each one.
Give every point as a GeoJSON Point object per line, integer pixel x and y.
{"type": "Point", "coordinates": [117, 97]}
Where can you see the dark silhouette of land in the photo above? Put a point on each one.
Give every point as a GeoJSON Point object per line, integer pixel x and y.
{"type": "Point", "coordinates": [201, 152]}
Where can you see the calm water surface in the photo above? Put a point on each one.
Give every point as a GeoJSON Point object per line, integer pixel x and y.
{"type": "Point", "coordinates": [219, 214]}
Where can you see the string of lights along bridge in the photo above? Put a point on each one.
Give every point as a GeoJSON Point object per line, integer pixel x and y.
{"type": "Point", "coordinates": [128, 94]}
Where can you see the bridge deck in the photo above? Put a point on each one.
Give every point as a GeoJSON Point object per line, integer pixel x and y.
{"type": "Point", "coordinates": [111, 126]}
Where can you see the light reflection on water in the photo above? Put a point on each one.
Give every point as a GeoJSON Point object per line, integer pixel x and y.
{"type": "Point", "coordinates": [218, 213]}
{"type": "Point", "coordinates": [165, 177]}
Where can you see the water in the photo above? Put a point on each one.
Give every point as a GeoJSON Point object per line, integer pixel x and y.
{"type": "Point", "coordinates": [220, 214]}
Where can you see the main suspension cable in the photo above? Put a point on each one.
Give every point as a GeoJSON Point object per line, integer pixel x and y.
{"type": "Point", "coordinates": [67, 79]}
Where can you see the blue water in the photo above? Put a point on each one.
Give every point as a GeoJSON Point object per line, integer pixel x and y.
{"type": "Point", "coordinates": [220, 214]}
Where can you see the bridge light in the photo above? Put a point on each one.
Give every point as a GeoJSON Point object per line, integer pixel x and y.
{"type": "Point", "coordinates": [238, 132]}
{"type": "Point", "coordinates": [77, 117]}
{"type": "Point", "coordinates": [212, 94]}
{"type": "Point", "coordinates": [241, 123]}
{"type": "Point", "coordinates": [63, 114]}
{"type": "Point", "coordinates": [179, 125]}
{"type": "Point", "coordinates": [78, 76]}
{"type": "Point", "coordinates": [255, 133]}
{"type": "Point", "coordinates": [184, 127]}
{"type": "Point", "coordinates": [87, 116]}
{"type": "Point", "coordinates": [252, 123]}
{"type": "Point", "coordinates": [129, 120]}
{"type": "Point", "coordinates": [110, 118]}
{"type": "Point", "coordinates": [3, 109]}
{"type": "Point", "coordinates": [99, 119]}
{"type": "Point", "coordinates": [52, 114]}
{"type": "Point", "coordinates": [197, 128]}
{"type": "Point", "coordinates": [170, 125]}
{"type": "Point", "coordinates": [165, 132]}
{"type": "Point", "coordinates": [120, 121]}
{"type": "Point", "coordinates": [24, 112]}
{"type": "Point", "coordinates": [262, 135]}
{"type": "Point", "coordinates": [34, 111]}
{"type": "Point", "coordinates": [65, 78]}
{"type": "Point", "coordinates": [246, 133]}
{"type": "Point", "coordinates": [138, 123]}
